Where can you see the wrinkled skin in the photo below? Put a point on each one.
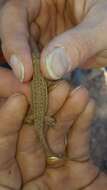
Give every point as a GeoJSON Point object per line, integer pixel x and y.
{"type": "Point", "coordinates": [30, 167]}
{"type": "Point", "coordinates": [39, 21]}
{"type": "Point", "coordinates": [19, 142]}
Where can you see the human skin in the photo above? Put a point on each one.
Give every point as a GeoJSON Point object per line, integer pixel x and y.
{"type": "Point", "coordinates": [76, 25]}
{"type": "Point", "coordinates": [22, 160]}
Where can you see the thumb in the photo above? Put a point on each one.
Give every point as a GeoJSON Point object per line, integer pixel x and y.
{"type": "Point", "coordinates": [14, 38]}
{"type": "Point", "coordinates": [74, 47]}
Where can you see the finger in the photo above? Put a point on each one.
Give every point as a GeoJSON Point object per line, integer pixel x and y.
{"type": "Point", "coordinates": [30, 154]}
{"type": "Point", "coordinates": [78, 140]}
{"type": "Point", "coordinates": [9, 84]}
{"type": "Point", "coordinates": [66, 117]}
{"type": "Point", "coordinates": [97, 61]}
{"type": "Point", "coordinates": [74, 47]}
{"type": "Point", "coordinates": [100, 182]}
{"type": "Point", "coordinates": [57, 96]}
{"type": "Point", "coordinates": [37, 185]}
{"type": "Point", "coordinates": [11, 114]}
{"type": "Point", "coordinates": [15, 39]}
{"type": "Point", "coordinates": [11, 117]}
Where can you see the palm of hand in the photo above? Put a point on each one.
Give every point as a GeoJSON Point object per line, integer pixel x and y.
{"type": "Point", "coordinates": [26, 166]}
{"type": "Point", "coordinates": [78, 171]}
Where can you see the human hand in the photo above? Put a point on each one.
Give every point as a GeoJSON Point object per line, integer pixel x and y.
{"type": "Point", "coordinates": [83, 41]}
{"type": "Point", "coordinates": [30, 168]}
{"type": "Point", "coordinates": [9, 84]}
{"type": "Point", "coordinates": [12, 113]}
{"type": "Point", "coordinates": [73, 119]}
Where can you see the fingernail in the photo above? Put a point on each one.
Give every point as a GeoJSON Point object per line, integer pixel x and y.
{"type": "Point", "coordinates": [17, 67]}
{"type": "Point", "coordinates": [57, 63]}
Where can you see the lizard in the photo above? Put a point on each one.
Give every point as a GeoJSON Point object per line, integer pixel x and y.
{"type": "Point", "coordinates": [39, 106]}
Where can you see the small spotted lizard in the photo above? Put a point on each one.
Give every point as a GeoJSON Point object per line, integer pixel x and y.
{"type": "Point", "coordinates": [39, 91]}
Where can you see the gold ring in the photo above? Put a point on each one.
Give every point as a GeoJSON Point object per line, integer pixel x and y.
{"type": "Point", "coordinates": [55, 161]}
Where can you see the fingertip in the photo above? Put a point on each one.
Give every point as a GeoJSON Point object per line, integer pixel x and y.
{"type": "Point", "coordinates": [81, 92]}
{"type": "Point", "coordinates": [43, 65]}
{"type": "Point", "coordinates": [58, 93]}
{"type": "Point", "coordinates": [22, 67]}
{"type": "Point", "coordinates": [16, 103]}
{"type": "Point", "coordinates": [12, 114]}
{"type": "Point", "coordinates": [91, 108]}
{"type": "Point", "coordinates": [15, 39]}
{"type": "Point", "coordinates": [54, 64]}
{"type": "Point", "coordinates": [28, 71]}
{"type": "Point", "coordinates": [18, 56]}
